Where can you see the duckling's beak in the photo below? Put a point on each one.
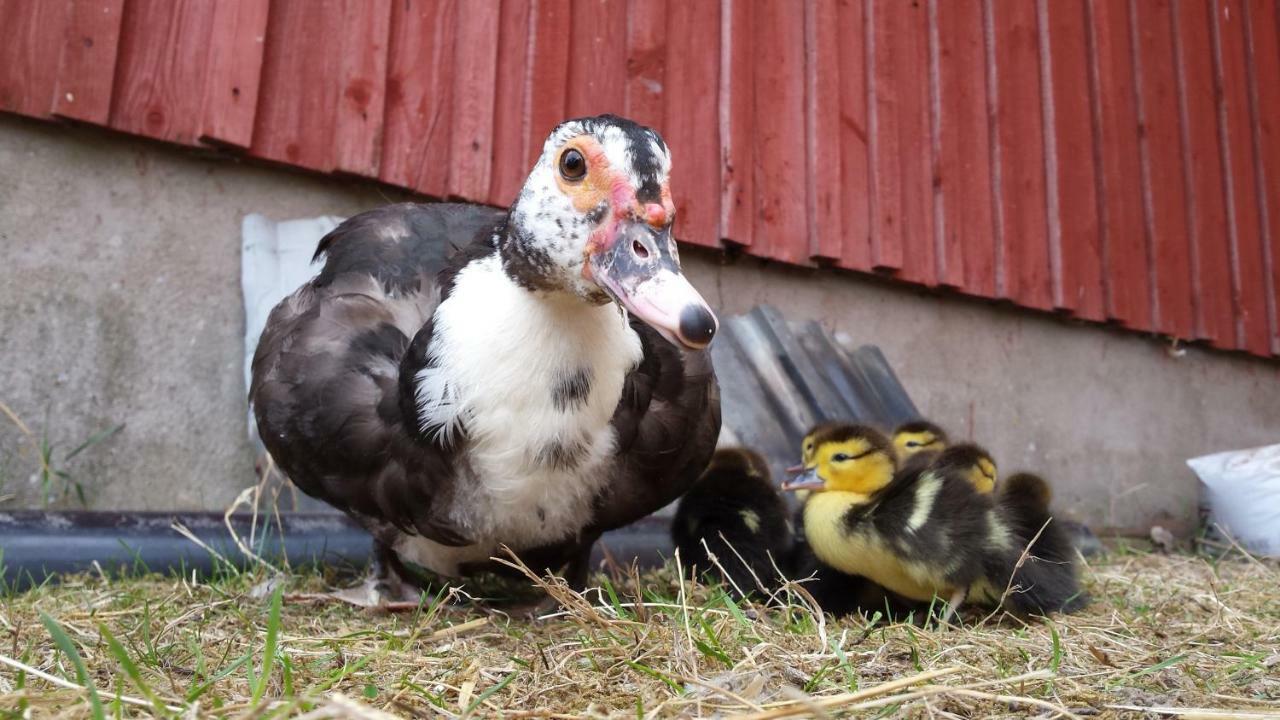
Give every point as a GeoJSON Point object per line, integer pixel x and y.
{"type": "Point", "coordinates": [808, 480]}
{"type": "Point", "coordinates": [642, 272]}
{"type": "Point", "coordinates": [795, 470]}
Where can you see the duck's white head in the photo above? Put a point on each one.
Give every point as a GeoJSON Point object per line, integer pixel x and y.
{"type": "Point", "coordinates": [594, 219]}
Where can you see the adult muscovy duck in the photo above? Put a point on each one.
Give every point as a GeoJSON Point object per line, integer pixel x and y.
{"type": "Point", "coordinates": [458, 377]}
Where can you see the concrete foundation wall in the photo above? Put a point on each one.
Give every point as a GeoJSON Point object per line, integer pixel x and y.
{"type": "Point", "coordinates": [120, 302]}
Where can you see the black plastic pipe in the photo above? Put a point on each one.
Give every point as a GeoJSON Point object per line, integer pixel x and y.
{"type": "Point", "coordinates": [36, 546]}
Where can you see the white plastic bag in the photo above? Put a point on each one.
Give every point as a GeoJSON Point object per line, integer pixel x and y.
{"type": "Point", "coordinates": [1244, 495]}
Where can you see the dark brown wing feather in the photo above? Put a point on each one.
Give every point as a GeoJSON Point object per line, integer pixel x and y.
{"type": "Point", "coordinates": [326, 374]}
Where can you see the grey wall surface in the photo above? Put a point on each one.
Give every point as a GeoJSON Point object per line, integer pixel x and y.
{"type": "Point", "coordinates": [120, 302]}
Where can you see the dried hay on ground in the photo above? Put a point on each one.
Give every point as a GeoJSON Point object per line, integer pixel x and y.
{"type": "Point", "coordinates": [1163, 632]}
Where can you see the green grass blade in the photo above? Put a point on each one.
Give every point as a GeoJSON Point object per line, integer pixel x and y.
{"type": "Point", "coordinates": [1056, 660]}
{"type": "Point", "coordinates": [269, 650]}
{"type": "Point", "coordinates": [68, 648]}
{"type": "Point", "coordinates": [131, 669]}
{"type": "Point", "coordinates": [93, 440]}
{"type": "Point", "coordinates": [489, 692]}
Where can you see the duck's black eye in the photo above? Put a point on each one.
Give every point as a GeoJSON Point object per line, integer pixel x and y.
{"type": "Point", "coordinates": [913, 443]}
{"type": "Point", "coordinates": [573, 166]}
{"type": "Point", "coordinates": [840, 457]}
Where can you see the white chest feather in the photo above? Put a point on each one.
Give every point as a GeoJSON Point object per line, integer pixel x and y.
{"type": "Point", "coordinates": [532, 381]}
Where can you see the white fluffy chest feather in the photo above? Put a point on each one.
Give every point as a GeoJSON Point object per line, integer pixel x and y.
{"type": "Point", "coordinates": [533, 381]}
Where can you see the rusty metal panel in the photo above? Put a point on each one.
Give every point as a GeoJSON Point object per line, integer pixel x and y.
{"type": "Point", "coordinates": [1110, 160]}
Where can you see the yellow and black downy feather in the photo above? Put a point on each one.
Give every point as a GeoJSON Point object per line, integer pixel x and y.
{"type": "Point", "coordinates": [923, 532]}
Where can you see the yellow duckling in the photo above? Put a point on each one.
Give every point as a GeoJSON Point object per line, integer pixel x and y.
{"type": "Point", "coordinates": [918, 436]}
{"type": "Point", "coordinates": [918, 532]}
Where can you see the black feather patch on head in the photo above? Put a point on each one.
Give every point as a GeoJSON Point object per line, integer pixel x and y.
{"type": "Point", "coordinates": [959, 458]}
{"type": "Point", "coordinates": [572, 389]}
{"type": "Point", "coordinates": [922, 426]}
{"type": "Point", "coordinates": [875, 439]}
{"type": "Point", "coordinates": [646, 163]}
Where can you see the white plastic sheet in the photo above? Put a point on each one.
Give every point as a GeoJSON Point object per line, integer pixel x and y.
{"type": "Point", "coordinates": [1244, 495]}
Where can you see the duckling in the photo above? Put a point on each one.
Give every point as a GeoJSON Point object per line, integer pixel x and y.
{"type": "Point", "coordinates": [1051, 566]}
{"type": "Point", "coordinates": [918, 436]}
{"type": "Point", "coordinates": [737, 510]}
{"type": "Point", "coordinates": [970, 461]}
{"type": "Point", "coordinates": [918, 532]}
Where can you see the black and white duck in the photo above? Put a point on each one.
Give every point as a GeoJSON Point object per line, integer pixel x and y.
{"type": "Point", "coordinates": [543, 383]}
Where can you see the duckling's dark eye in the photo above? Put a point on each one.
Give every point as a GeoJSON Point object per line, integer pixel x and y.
{"type": "Point", "coordinates": [913, 443]}
{"type": "Point", "coordinates": [840, 457]}
{"type": "Point", "coordinates": [572, 165]}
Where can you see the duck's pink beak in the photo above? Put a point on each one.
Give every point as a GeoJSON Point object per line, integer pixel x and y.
{"type": "Point", "coordinates": [641, 271]}
{"type": "Point", "coordinates": [808, 480]}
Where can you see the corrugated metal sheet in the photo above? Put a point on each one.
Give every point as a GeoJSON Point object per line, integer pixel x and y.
{"type": "Point", "coordinates": [788, 376]}
{"type": "Point", "coordinates": [1113, 160]}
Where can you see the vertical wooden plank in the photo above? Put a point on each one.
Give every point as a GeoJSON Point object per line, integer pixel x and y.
{"type": "Point", "coordinates": [598, 63]}
{"type": "Point", "coordinates": [1206, 208]}
{"type": "Point", "coordinates": [160, 73]}
{"type": "Point", "coordinates": [1021, 220]}
{"type": "Point", "coordinates": [510, 131]}
{"type": "Point", "coordinates": [31, 41]}
{"type": "Point", "coordinates": [855, 179]}
{"type": "Point", "coordinates": [473, 100]}
{"type": "Point", "coordinates": [910, 48]}
{"type": "Point", "coordinates": [883, 32]}
{"type": "Point", "coordinates": [87, 66]}
{"type": "Point", "coordinates": [822, 128]}
{"type": "Point", "coordinates": [781, 228]}
{"type": "Point", "coordinates": [1124, 244]}
{"type": "Point", "coordinates": [416, 127]}
{"type": "Point", "coordinates": [1243, 221]}
{"type": "Point", "coordinates": [1073, 191]}
{"type": "Point", "coordinates": [1262, 26]}
{"type": "Point", "coordinates": [549, 71]}
{"type": "Point", "coordinates": [1163, 171]}
{"type": "Point", "coordinates": [737, 116]}
{"type": "Point", "coordinates": [963, 148]}
{"type": "Point", "coordinates": [237, 39]}
{"type": "Point", "coordinates": [647, 33]}
{"type": "Point", "coordinates": [297, 97]}
{"type": "Point", "coordinates": [691, 126]}
{"type": "Point", "coordinates": [361, 84]}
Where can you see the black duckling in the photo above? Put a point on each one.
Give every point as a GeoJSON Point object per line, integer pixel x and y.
{"type": "Point", "coordinates": [1050, 566]}
{"type": "Point", "coordinates": [734, 508]}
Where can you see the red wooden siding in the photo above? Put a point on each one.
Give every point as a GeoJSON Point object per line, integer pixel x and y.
{"type": "Point", "coordinates": [1111, 160]}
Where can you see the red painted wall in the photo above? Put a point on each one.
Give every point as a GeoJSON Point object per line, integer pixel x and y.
{"type": "Point", "coordinates": [1113, 160]}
